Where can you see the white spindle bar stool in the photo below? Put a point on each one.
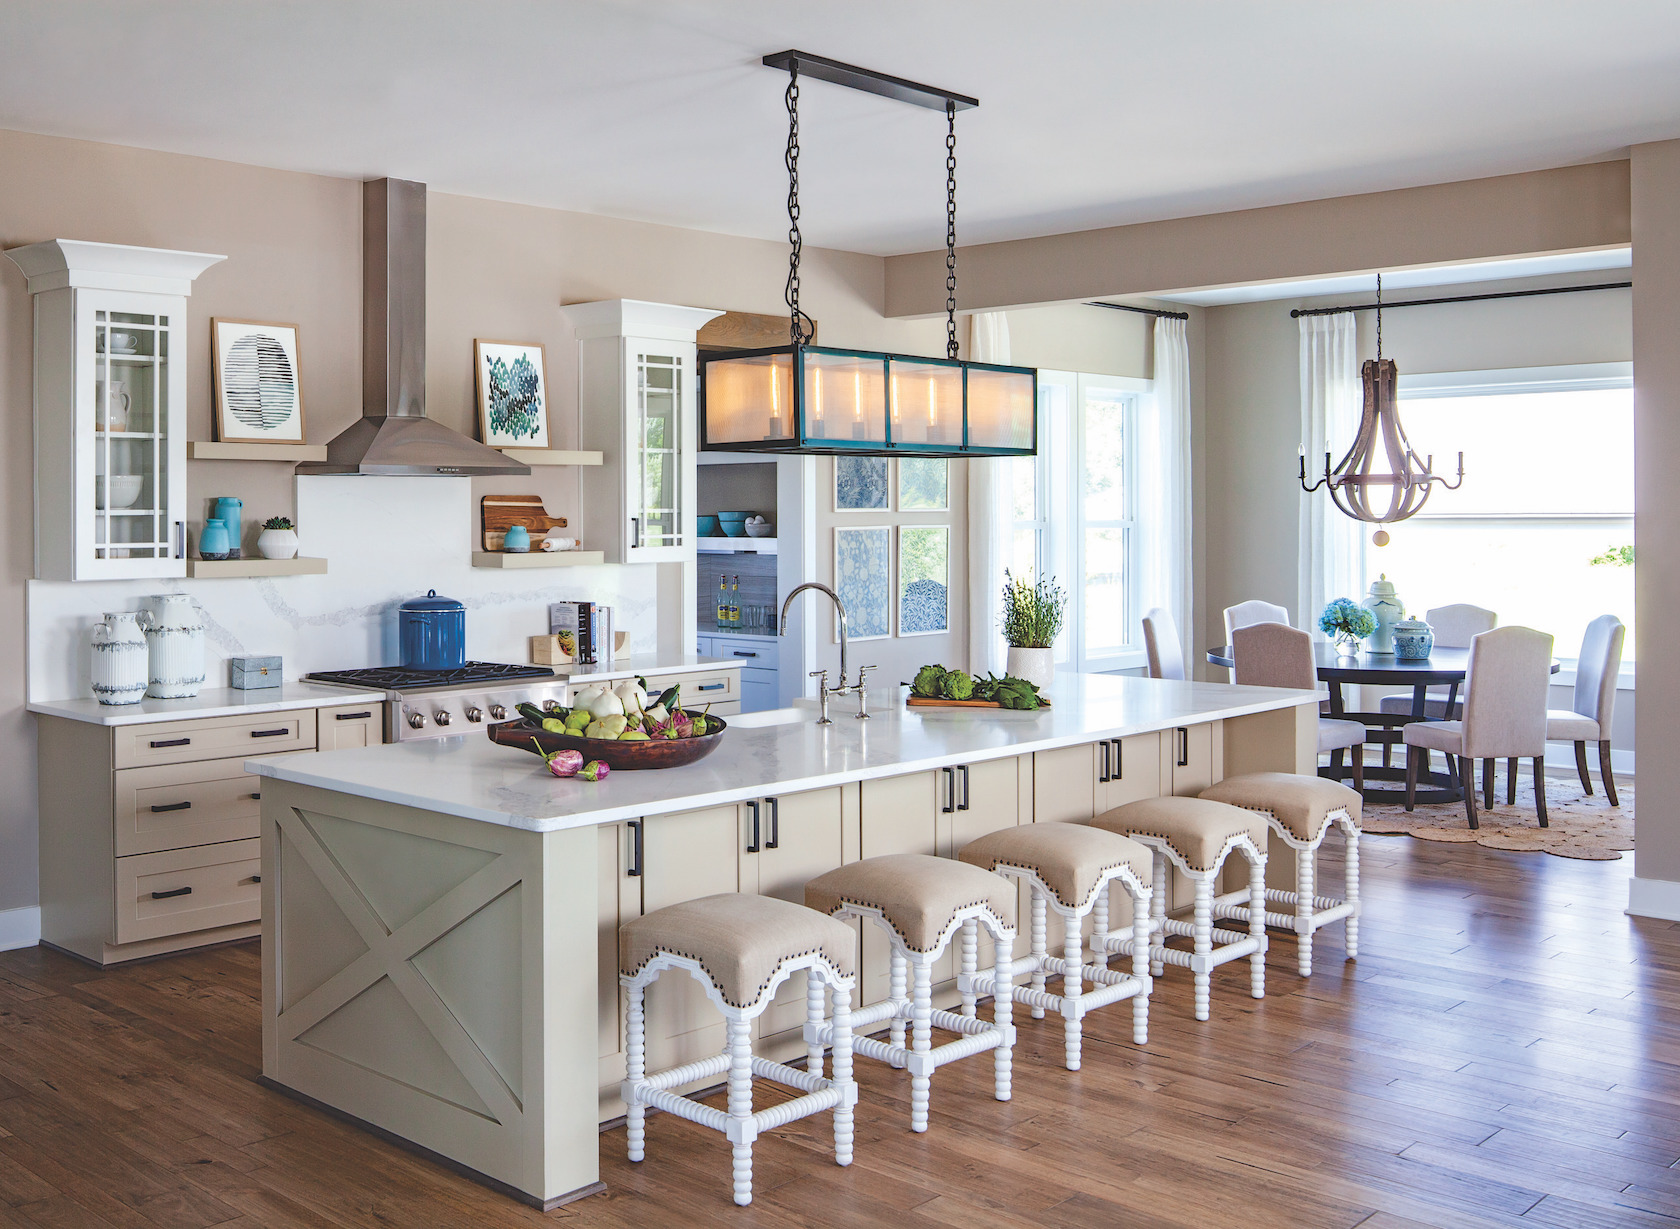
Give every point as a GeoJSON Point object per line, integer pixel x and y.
{"type": "Point", "coordinates": [741, 948]}
{"type": "Point", "coordinates": [1197, 835]}
{"type": "Point", "coordinates": [1300, 811]}
{"type": "Point", "coordinates": [921, 902]}
{"type": "Point", "coordinates": [1069, 868]}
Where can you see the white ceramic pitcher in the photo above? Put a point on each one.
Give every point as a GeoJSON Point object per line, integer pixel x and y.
{"type": "Point", "coordinates": [120, 658]}
{"type": "Point", "coordinates": [174, 628]}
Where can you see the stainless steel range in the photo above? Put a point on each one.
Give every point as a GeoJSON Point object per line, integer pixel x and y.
{"type": "Point", "coordinates": [446, 703]}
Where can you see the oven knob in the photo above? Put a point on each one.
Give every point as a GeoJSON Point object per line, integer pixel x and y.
{"type": "Point", "coordinates": [475, 714]}
{"type": "Point", "coordinates": [498, 712]}
{"type": "Point", "coordinates": [417, 720]}
{"type": "Point", "coordinates": [441, 716]}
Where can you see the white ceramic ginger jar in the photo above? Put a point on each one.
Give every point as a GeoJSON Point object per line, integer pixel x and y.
{"type": "Point", "coordinates": [120, 659]}
{"type": "Point", "coordinates": [174, 629]}
{"type": "Point", "coordinates": [1384, 604]}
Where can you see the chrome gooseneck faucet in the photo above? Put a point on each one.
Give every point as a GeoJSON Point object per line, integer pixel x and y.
{"type": "Point", "coordinates": [823, 689]}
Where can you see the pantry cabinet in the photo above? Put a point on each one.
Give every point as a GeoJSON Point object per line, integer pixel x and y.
{"type": "Point", "coordinates": [110, 407]}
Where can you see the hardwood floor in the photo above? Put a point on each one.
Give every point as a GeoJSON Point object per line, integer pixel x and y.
{"type": "Point", "coordinates": [1504, 1052]}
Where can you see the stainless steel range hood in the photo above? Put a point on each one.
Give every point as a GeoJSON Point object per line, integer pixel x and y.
{"type": "Point", "coordinates": [394, 435]}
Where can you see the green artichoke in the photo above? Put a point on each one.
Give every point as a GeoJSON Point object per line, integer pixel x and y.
{"type": "Point", "coordinates": [929, 681]}
{"type": "Point", "coordinates": [959, 685]}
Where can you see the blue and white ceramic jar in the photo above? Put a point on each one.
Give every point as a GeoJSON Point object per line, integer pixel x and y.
{"type": "Point", "coordinates": [119, 659]}
{"type": "Point", "coordinates": [1413, 640]}
{"type": "Point", "coordinates": [174, 628]}
{"type": "Point", "coordinates": [1385, 605]}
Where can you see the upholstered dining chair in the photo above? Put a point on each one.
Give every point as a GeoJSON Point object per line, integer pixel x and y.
{"type": "Point", "coordinates": [1162, 645]}
{"type": "Point", "coordinates": [1509, 675]}
{"type": "Point", "coordinates": [1454, 627]}
{"type": "Point", "coordinates": [1253, 611]}
{"type": "Point", "coordinates": [1595, 700]}
{"type": "Point", "coordinates": [1277, 655]}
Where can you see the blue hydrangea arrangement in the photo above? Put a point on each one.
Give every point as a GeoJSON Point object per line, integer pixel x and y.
{"type": "Point", "coordinates": [1345, 618]}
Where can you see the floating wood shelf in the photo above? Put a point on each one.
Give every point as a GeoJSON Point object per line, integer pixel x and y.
{"type": "Point", "coordinates": [550, 456]}
{"type": "Point", "coordinates": [207, 450]}
{"type": "Point", "coordinates": [538, 559]}
{"type": "Point", "coordinates": [256, 567]}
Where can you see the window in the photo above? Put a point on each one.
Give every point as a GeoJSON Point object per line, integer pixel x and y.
{"type": "Point", "coordinates": [1537, 531]}
{"type": "Point", "coordinates": [1075, 514]}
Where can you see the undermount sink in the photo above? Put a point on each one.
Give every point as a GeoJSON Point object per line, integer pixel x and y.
{"type": "Point", "coordinates": [803, 710]}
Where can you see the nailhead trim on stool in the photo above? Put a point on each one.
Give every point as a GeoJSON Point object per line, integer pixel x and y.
{"type": "Point", "coordinates": [735, 931]}
{"type": "Point", "coordinates": [1196, 835]}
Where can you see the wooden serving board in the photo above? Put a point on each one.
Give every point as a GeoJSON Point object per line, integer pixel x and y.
{"type": "Point", "coordinates": [935, 702]}
{"type": "Point", "coordinates": [502, 512]}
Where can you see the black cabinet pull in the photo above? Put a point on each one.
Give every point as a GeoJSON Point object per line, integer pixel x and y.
{"type": "Point", "coordinates": [1102, 756]}
{"type": "Point", "coordinates": [635, 848]}
{"type": "Point", "coordinates": [256, 878]}
{"type": "Point", "coordinates": [172, 806]}
{"type": "Point", "coordinates": [271, 733]}
{"type": "Point", "coordinates": [175, 892]}
{"type": "Point", "coordinates": [742, 653]}
{"type": "Point", "coordinates": [351, 716]}
{"type": "Point", "coordinates": [1183, 747]}
{"type": "Point", "coordinates": [256, 797]}
{"type": "Point", "coordinates": [775, 841]}
{"type": "Point", "coordinates": [1118, 769]}
{"type": "Point", "coordinates": [753, 846]}
{"type": "Point", "coordinates": [711, 686]}
{"type": "Point", "coordinates": [171, 742]}
{"type": "Point", "coordinates": [950, 803]}
{"type": "Point", "coordinates": [963, 768]}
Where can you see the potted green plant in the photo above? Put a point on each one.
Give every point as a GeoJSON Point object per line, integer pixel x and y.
{"type": "Point", "coordinates": [1347, 623]}
{"type": "Point", "coordinates": [278, 540]}
{"type": "Point", "coordinates": [1032, 616]}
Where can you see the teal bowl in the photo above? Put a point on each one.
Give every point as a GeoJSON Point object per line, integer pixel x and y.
{"type": "Point", "coordinates": [734, 524]}
{"type": "Point", "coordinates": [707, 526]}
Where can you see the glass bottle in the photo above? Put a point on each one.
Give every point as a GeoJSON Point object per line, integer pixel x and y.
{"type": "Point", "coordinates": [735, 604]}
{"type": "Point", "coordinates": [723, 603]}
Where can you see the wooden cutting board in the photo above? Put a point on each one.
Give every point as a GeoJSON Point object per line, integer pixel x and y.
{"type": "Point", "coordinates": [936, 702]}
{"type": "Point", "coordinates": [502, 512]}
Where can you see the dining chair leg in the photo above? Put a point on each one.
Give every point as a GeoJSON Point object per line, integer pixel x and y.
{"type": "Point", "coordinates": [1490, 778]}
{"type": "Point", "coordinates": [1540, 789]}
{"type": "Point", "coordinates": [1511, 781]}
{"type": "Point", "coordinates": [1604, 772]}
{"type": "Point", "coordinates": [1581, 764]}
{"type": "Point", "coordinates": [1336, 764]}
{"type": "Point", "coordinates": [1388, 749]}
{"type": "Point", "coordinates": [1467, 779]}
{"type": "Point", "coordinates": [1411, 776]}
{"type": "Point", "coordinates": [1358, 754]}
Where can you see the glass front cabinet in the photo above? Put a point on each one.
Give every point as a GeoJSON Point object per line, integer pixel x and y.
{"type": "Point", "coordinates": [637, 405]}
{"type": "Point", "coordinates": [110, 407]}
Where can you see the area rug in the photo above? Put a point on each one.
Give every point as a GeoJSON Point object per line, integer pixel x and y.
{"type": "Point", "coordinates": [1581, 826]}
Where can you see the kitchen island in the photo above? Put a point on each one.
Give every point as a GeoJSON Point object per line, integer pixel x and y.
{"type": "Point", "coordinates": [440, 918]}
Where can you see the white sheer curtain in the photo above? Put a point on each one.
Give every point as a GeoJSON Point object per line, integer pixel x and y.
{"type": "Point", "coordinates": [1332, 545]}
{"type": "Point", "coordinates": [990, 507]}
{"type": "Point", "coordinates": [1164, 481]}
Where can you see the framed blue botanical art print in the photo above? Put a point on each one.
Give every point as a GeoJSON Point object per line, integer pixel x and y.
{"type": "Point", "coordinates": [863, 579]}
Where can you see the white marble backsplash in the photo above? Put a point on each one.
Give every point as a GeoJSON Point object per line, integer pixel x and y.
{"type": "Point", "coordinates": [385, 540]}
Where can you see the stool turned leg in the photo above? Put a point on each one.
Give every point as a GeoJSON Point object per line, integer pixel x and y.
{"type": "Point", "coordinates": [970, 962]}
{"type": "Point", "coordinates": [1305, 868]}
{"type": "Point", "coordinates": [635, 1067]}
{"type": "Point", "coordinates": [1351, 892]}
{"type": "Point", "coordinates": [1072, 956]}
{"type": "Point", "coordinates": [1256, 927]}
{"type": "Point", "coordinates": [1003, 1056]}
{"type": "Point", "coordinates": [740, 1102]}
{"type": "Point", "coordinates": [843, 1075]}
{"type": "Point", "coordinates": [897, 991]}
{"type": "Point", "coordinates": [1040, 947]}
{"type": "Point", "coordinates": [1203, 942]}
{"type": "Point", "coordinates": [1158, 909]}
{"type": "Point", "coordinates": [921, 1038]}
{"type": "Point", "coordinates": [1140, 970]}
{"type": "Point", "coordinates": [1099, 927]}
{"type": "Point", "coordinates": [814, 1014]}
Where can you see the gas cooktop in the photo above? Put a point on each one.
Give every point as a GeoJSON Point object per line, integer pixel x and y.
{"type": "Point", "coordinates": [400, 678]}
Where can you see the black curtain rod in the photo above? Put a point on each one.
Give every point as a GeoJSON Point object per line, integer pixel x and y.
{"type": "Point", "coordinates": [1142, 311]}
{"type": "Point", "coordinates": [1457, 298]}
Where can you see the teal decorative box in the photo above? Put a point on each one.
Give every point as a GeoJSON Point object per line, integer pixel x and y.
{"type": "Point", "coordinates": [249, 673]}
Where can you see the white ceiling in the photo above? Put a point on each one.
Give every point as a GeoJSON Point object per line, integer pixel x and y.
{"type": "Point", "coordinates": [1093, 112]}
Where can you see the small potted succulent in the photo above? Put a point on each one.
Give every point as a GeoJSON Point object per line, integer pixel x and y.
{"type": "Point", "coordinates": [1032, 616]}
{"type": "Point", "coordinates": [278, 540]}
{"type": "Point", "coordinates": [1347, 623]}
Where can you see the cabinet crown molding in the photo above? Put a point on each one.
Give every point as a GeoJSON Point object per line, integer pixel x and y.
{"type": "Point", "coordinates": [58, 264]}
{"type": "Point", "coordinates": [637, 318]}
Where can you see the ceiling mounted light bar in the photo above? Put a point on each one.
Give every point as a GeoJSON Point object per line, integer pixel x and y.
{"type": "Point", "coordinates": [805, 399]}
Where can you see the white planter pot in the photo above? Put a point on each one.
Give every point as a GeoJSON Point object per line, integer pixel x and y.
{"type": "Point", "coordinates": [174, 629]}
{"type": "Point", "coordinates": [1037, 666]}
{"type": "Point", "coordinates": [278, 543]}
{"type": "Point", "coordinates": [119, 659]}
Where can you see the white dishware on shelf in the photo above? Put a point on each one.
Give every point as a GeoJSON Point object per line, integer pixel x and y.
{"type": "Point", "coordinates": [760, 527]}
{"type": "Point", "coordinates": [117, 490]}
{"type": "Point", "coordinates": [174, 628]}
{"type": "Point", "coordinates": [120, 659]}
{"type": "Point", "coordinates": [111, 413]}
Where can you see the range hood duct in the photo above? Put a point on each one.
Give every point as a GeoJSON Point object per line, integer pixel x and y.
{"type": "Point", "coordinates": [394, 435]}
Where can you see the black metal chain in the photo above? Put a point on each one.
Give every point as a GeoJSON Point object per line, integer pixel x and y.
{"type": "Point", "coordinates": [800, 328]}
{"type": "Point", "coordinates": [950, 229]}
{"type": "Point", "coordinates": [1379, 317]}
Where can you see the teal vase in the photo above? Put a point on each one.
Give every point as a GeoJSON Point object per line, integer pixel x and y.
{"type": "Point", "coordinates": [213, 542]}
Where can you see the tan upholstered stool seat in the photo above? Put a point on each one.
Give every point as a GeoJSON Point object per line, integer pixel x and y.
{"type": "Point", "coordinates": [1302, 804]}
{"type": "Point", "coordinates": [1071, 859]}
{"type": "Point", "coordinates": [918, 894]}
{"type": "Point", "coordinates": [739, 940]}
{"type": "Point", "coordinates": [1196, 829]}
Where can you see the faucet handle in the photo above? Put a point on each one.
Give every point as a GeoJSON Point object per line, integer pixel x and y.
{"type": "Point", "coordinates": [863, 672]}
{"type": "Point", "coordinates": [822, 674]}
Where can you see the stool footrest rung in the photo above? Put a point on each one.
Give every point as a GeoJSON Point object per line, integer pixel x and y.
{"type": "Point", "coordinates": [886, 1009]}
{"type": "Point", "coordinates": [780, 1115]}
{"type": "Point", "coordinates": [675, 1077]}
{"type": "Point", "coordinates": [792, 1077]}
{"type": "Point", "coordinates": [938, 1056]}
{"type": "Point", "coordinates": [682, 1107]}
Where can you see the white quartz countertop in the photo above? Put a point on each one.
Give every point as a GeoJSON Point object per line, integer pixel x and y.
{"type": "Point", "coordinates": [209, 702]}
{"type": "Point", "coordinates": [630, 667]}
{"type": "Point", "coordinates": [763, 754]}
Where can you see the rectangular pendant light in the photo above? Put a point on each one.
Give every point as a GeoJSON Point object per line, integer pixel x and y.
{"type": "Point", "coordinates": [822, 400]}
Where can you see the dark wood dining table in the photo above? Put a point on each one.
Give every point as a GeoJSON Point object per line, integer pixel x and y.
{"type": "Point", "coordinates": [1443, 667]}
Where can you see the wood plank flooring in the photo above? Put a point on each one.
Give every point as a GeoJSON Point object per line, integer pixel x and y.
{"type": "Point", "coordinates": [1505, 1052]}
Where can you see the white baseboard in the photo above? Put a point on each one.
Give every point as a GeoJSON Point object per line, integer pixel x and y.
{"type": "Point", "coordinates": [1658, 898]}
{"type": "Point", "coordinates": [20, 928]}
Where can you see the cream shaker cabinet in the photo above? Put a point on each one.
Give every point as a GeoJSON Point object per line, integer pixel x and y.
{"type": "Point", "coordinates": [110, 407]}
